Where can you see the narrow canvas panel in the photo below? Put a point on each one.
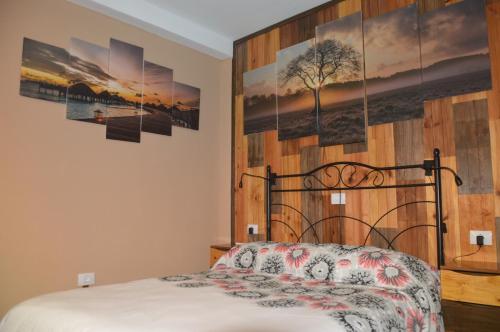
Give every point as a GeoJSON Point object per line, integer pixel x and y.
{"type": "Point", "coordinates": [341, 100]}
{"type": "Point", "coordinates": [88, 94]}
{"type": "Point", "coordinates": [186, 109]}
{"type": "Point", "coordinates": [124, 109]}
{"type": "Point", "coordinates": [297, 79]}
{"type": "Point", "coordinates": [157, 99]}
{"type": "Point", "coordinates": [43, 71]}
{"type": "Point", "coordinates": [393, 66]}
{"type": "Point", "coordinates": [259, 105]}
{"type": "Point", "coordinates": [455, 50]}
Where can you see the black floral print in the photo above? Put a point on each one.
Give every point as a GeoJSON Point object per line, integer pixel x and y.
{"type": "Point", "coordinates": [367, 301]}
{"type": "Point", "coordinates": [256, 277]}
{"type": "Point", "coordinates": [245, 258]}
{"type": "Point", "coordinates": [354, 321]}
{"type": "Point", "coordinates": [359, 277]}
{"type": "Point", "coordinates": [176, 278]}
{"type": "Point", "coordinates": [248, 294]}
{"type": "Point", "coordinates": [416, 267]}
{"type": "Point", "coordinates": [281, 303]}
{"type": "Point", "coordinates": [419, 295]}
{"type": "Point", "coordinates": [218, 276]}
{"type": "Point", "coordinates": [394, 325]}
{"type": "Point", "coordinates": [267, 284]}
{"type": "Point", "coordinates": [321, 267]}
{"type": "Point", "coordinates": [193, 284]}
{"type": "Point", "coordinates": [296, 290]}
{"type": "Point", "coordinates": [341, 291]}
{"type": "Point", "coordinates": [342, 250]}
{"type": "Point", "coordinates": [273, 265]}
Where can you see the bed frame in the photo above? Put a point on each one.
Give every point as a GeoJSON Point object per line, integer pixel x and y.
{"type": "Point", "coordinates": [321, 179]}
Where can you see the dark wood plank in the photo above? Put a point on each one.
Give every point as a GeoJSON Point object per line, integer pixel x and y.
{"type": "Point", "coordinates": [256, 150]}
{"type": "Point", "coordinates": [467, 317]}
{"type": "Point", "coordinates": [409, 148]}
{"type": "Point", "coordinates": [355, 148]}
{"type": "Point", "coordinates": [472, 141]}
{"type": "Point", "coordinates": [298, 31]}
{"type": "Point", "coordinates": [239, 67]}
{"type": "Point", "coordinates": [312, 202]}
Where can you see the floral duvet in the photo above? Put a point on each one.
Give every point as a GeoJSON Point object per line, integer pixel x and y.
{"type": "Point", "coordinates": [256, 287]}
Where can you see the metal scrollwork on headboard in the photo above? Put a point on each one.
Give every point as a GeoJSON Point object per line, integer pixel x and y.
{"type": "Point", "coordinates": [347, 175]}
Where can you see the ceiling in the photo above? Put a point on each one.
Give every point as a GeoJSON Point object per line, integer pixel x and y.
{"type": "Point", "coordinates": [209, 26]}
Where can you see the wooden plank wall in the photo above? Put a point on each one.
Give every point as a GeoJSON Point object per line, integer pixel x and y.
{"type": "Point", "coordinates": [465, 128]}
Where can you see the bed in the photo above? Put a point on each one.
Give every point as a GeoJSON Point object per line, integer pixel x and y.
{"type": "Point", "coordinates": [256, 287]}
{"type": "Point", "coordinates": [274, 287]}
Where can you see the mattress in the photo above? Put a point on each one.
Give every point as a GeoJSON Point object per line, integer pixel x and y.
{"type": "Point", "coordinates": [255, 287]}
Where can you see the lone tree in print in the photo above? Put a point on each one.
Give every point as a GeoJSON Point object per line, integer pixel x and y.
{"type": "Point", "coordinates": [330, 61]}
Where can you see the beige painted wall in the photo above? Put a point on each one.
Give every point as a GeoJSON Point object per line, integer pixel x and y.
{"type": "Point", "coordinates": [72, 201]}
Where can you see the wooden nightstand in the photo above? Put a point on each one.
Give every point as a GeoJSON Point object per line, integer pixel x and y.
{"type": "Point", "coordinates": [471, 282]}
{"type": "Point", "coordinates": [216, 251]}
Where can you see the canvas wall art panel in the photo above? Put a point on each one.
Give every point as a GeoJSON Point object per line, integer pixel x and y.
{"type": "Point", "coordinates": [393, 66]}
{"type": "Point", "coordinates": [297, 79]}
{"type": "Point", "coordinates": [123, 120]}
{"type": "Point", "coordinates": [88, 95]}
{"type": "Point", "coordinates": [455, 50]}
{"type": "Point", "coordinates": [186, 108]}
{"type": "Point", "coordinates": [259, 103]}
{"type": "Point", "coordinates": [341, 99]}
{"type": "Point", "coordinates": [157, 99]}
{"type": "Point", "coordinates": [43, 71]}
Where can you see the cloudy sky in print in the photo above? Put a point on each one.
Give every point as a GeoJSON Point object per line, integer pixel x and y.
{"type": "Point", "coordinates": [126, 67]}
{"type": "Point", "coordinates": [284, 57]}
{"type": "Point", "coordinates": [186, 95]}
{"type": "Point", "coordinates": [455, 30]}
{"type": "Point", "coordinates": [392, 43]}
{"type": "Point", "coordinates": [158, 84]}
{"type": "Point", "coordinates": [260, 81]}
{"type": "Point", "coordinates": [89, 65]}
{"type": "Point", "coordinates": [346, 30]}
{"type": "Point", "coordinates": [44, 62]}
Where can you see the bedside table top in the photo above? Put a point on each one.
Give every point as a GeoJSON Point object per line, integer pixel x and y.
{"type": "Point", "coordinates": [221, 246]}
{"type": "Point", "coordinates": [475, 267]}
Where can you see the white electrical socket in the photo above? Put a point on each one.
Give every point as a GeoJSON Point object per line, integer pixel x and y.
{"type": "Point", "coordinates": [486, 234]}
{"type": "Point", "coordinates": [337, 198]}
{"type": "Point", "coordinates": [86, 279]}
{"type": "Point", "coordinates": [255, 228]}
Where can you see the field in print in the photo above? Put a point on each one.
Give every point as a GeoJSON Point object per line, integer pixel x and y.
{"type": "Point", "coordinates": [259, 103]}
{"type": "Point", "coordinates": [341, 99]}
{"type": "Point", "coordinates": [455, 50]}
{"type": "Point", "coordinates": [393, 66]}
{"type": "Point", "coordinates": [297, 92]}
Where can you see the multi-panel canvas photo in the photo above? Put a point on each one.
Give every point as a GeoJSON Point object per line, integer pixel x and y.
{"type": "Point", "coordinates": [259, 101]}
{"type": "Point", "coordinates": [186, 108]}
{"type": "Point", "coordinates": [296, 88]}
{"type": "Point", "coordinates": [393, 66]}
{"type": "Point", "coordinates": [157, 99]}
{"type": "Point", "coordinates": [88, 94]}
{"type": "Point", "coordinates": [455, 51]}
{"type": "Point", "coordinates": [43, 71]}
{"type": "Point", "coordinates": [125, 86]}
{"type": "Point", "coordinates": [341, 100]}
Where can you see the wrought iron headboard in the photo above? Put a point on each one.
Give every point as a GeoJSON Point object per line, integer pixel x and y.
{"type": "Point", "coordinates": [373, 179]}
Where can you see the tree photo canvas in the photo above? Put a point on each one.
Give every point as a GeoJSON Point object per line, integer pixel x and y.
{"type": "Point", "coordinates": [341, 99]}
{"type": "Point", "coordinates": [297, 79]}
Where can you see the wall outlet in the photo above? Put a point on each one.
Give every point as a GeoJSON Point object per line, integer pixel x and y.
{"type": "Point", "coordinates": [86, 279]}
{"type": "Point", "coordinates": [337, 198]}
{"type": "Point", "coordinates": [486, 234]}
{"type": "Point", "coordinates": [255, 228]}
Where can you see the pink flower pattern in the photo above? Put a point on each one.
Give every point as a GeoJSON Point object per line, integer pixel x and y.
{"type": "Point", "coordinates": [296, 256]}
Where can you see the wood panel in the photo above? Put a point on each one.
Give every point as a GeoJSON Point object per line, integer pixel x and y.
{"type": "Point", "coordinates": [466, 317]}
{"type": "Point", "coordinates": [472, 140]}
{"type": "Point", "coordinates": [455, 125]}
{"type": "Point", "coordinates": [470, 287]}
